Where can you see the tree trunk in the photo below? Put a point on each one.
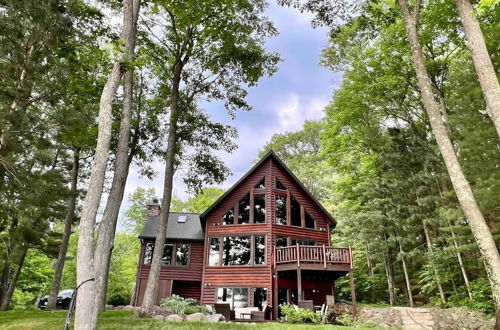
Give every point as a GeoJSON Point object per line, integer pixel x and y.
{"type": "Point", "coordinates": [429, 248]}
{"type": "Point", "coordinates": [407, 277]}
{"type": "Point", "coordinates": [151, 293]}
{"type": "Point", "coordinates": [68, 223]}
{"type": "Point", "coordinates": [107, 227]}
{"type": "Point", "coordinates": [4, 304]}
{"type": "Point", "coordinates": [461, 263]}
{"type": "Point", "coordinates": [390, 283]}
{"type": "Point", "coordinates": [482, 61]}
{"type": "Point", "coordinates": [479, 227]}
{"type": "Point", "coordinates": [85, 317]}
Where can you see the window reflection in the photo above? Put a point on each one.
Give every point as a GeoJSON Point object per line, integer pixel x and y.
{"type": "Point", "coordinates": [295, 212]}
{"type": "Point", "coordinates": [261, 184]}
{"type": "Point", "coordinates": [260, 250]}
{"type": "Point", "coordinates": [244, 209]}
{"type": "Point", "coordinates": [300, 241]}
{"type": "Point", "coordinates": [280, 185]}
{"type": "Point", "coordinates": [236, 251]}
{"type": "Point", "coordinates": [148, 253]}
{"type": "Point", "coordinates": [260, 298]}
{"type": "Point", "coordinates": [166, 259]}
{"type": "Point", "coordinates": [281, 210]}
{"type": "Point", "coordinates": [281, 241]}
{"type": "Point", "coordinates": [214, 258]}
{"type": "Point", "coordinates": [309, 221]}
{"type": "Point", "coordinates": [236, 297]}
{"type": "Point", "coordinates": [182, 255]}
{"type": "Point", "coordinates": [259, 213]}
{"type": "Point", "coordinates": [228, 218]}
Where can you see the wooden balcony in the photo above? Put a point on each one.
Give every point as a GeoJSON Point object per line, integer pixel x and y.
{"type": "Point", "coordinates": [313, 257]}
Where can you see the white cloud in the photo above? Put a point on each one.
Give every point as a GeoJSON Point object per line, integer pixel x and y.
{"type": "Point", "coordinates": [292, 113]}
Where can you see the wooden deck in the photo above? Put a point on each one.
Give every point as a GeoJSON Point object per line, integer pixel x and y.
{"type": "Point", "coordinates": [313, 257]}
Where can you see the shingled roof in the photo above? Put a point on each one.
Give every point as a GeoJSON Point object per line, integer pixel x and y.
{"type": "Point", "coordinates": [186, 231]}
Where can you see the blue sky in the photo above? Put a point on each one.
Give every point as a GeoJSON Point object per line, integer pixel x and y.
{"type": "Point", "coordinates": [297, 92]}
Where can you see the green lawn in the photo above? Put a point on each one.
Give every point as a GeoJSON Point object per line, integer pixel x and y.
{"type": "Point", "coordinates": [125, 320]}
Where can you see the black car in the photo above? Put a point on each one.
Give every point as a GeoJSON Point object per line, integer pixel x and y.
{"type": "Point", "coordinates": [62, 302]}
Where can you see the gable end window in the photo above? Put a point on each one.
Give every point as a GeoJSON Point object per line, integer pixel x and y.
{"type": "Point", "coordinates": [259, 211]}
{"type": "Point", "coordinates": [295, 216]}
{"type": "Point", "coordinates": [228, 218]}
{"type": "Point", "coordinates": [281, 210]}
{"type": "Point", "coordinates": [261, 184]}
{"type": "Point", "coordinates": [280, 185]}
{"type": "Point", "coordinates": [244, 209]}
{"type": "Point", "coordinates": [309, 221]}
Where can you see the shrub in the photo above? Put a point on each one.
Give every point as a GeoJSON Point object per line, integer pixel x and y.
{"type": "Point", "coordinates": [179, 305]}
{"type": "Point", "coordinates": [482, 299]}
{"type": "Point", "coordinates": [118, 300]}
{"type": "Point", "coordinates": [291, 314]}
{"type": "Point", "coordinates": [22, 300]}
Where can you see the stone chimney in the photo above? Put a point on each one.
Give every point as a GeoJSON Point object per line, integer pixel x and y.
{"type": "Point", "coordinates": [153, 209]}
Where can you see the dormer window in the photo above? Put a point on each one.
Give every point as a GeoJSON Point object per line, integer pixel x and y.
{"type": "Point", "coordinates": [182, 219]}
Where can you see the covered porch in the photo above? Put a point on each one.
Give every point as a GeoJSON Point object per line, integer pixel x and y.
{"type": "Point", "coordinates": [308, 273]}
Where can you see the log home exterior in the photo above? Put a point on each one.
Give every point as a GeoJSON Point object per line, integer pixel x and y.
{"type": "Point", "coordinates": [266, 241]}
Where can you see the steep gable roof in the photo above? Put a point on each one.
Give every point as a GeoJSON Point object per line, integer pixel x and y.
{"type": "Point", "coordinates": [272, 155]}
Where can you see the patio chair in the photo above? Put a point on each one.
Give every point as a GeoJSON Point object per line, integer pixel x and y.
{"type": "Point", "coordinates": [306, 304]}
{"type": "Point", "coordinates": [262, 315]}
{"type": "Point", "coordinates": [224, 309]}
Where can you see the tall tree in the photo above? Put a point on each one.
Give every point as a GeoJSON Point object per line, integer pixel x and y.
{"type": "Point", "coordinates": [482, 62]}
{"type": "Point", "coordinates": [460, 184]}
{"type": "Point", "coordinates": [107, 228]}
{"type": "Point", "coordinates": [86, 314]}
{"type": "Point", "coordinates": [212, 47]}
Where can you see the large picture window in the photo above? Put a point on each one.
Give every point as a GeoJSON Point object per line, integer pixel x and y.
{"type": "Point", "coordinates": [236, 251]}
{"type": "Point", "coordinates": [281, 210]}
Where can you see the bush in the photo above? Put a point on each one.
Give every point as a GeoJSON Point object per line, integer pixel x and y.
{"type": "Point", "coordinates": [482, 298]}
{"type": "Point", "coordinates": [179, 305]}
{"type": "Point", "coordinates": [22, 300]}
{"type": "Point", "coordinates": [291, 314]}
{"type": "Point", "coordinates": [118, 300]}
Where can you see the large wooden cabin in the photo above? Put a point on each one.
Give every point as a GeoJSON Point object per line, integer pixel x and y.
{"type": "Point", "coordinates": [266, 241]}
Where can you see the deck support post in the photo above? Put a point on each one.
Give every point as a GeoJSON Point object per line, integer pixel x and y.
{"type": "Point", "coordinates": [299, 284]}
{"type": "Point", "coordinates": [353, 289]}
{"type": "Point", "coordinates": [275, 295]}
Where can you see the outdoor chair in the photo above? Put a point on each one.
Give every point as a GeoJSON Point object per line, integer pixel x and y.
{"type": "Point", "coordinates": [306, 304]}
{"type": "Point", "coordinates": [224, 309]}
{"type": "Point", "coordinates": [262, 315]}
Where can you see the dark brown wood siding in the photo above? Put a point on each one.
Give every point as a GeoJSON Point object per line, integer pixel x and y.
{"type": "Point", "coordinates": [187, 289]}
{"type": "Point", "coordinates": [258, 276]}
{"type": "Point", "coordinates": [193, 272]}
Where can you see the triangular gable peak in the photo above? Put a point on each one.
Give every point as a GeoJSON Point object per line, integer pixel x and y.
{"type": "Point", "coordinates": [274, 171]}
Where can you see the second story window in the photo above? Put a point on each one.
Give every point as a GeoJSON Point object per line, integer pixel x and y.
{"type": "Point", "coordinates": [236, 251]}
{"type": "Point", "coordinates": [259, 211]}
{"type": "Point", "coordinates": [244, 209]}
{"type": "Point", "coordinates": [295, 217]}
{"type": "Point", "coordinates": [228, 218]}
{"type": "Point", "coordinates": [181, 257]}
{"type": "Point", "coordinates": [281, 214]}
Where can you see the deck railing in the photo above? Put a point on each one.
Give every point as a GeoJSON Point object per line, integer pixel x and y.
{"type": "Point", "coordinates": [313, 254]}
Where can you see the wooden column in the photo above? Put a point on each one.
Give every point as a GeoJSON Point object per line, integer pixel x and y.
{"type": "Point", "coordinates": [299, 285]}
{"type": "Point", "coordinates": [275, 295]}
{"type": "Point", "coordinates": [353, 289]}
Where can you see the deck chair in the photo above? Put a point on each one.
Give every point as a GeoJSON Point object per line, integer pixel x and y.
{"type": "Point", "coordinates": [306, 304]}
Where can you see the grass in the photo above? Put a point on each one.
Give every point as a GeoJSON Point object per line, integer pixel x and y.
{"type": "Point", "coordinates": [115, 320]}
